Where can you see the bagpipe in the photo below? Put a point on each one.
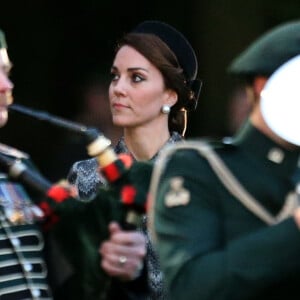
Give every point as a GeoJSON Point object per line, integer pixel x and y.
{"type": "Point", "coordinates": [128, 182]}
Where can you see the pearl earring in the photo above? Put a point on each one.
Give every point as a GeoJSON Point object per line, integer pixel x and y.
{"type": "Point", "coordinates": [166, 109]}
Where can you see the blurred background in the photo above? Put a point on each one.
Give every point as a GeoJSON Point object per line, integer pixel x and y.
{"type": "Point", "coordinates": [62, 53]}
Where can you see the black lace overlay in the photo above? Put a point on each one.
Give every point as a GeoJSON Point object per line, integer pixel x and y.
{"type": "Point", "coordinates": [85, 176]}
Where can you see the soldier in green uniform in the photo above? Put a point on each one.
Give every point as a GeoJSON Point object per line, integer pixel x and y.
{"type": "Point", "coordinates": [22, 269]}
{"type": "Point", "coordinates": [224, 215]}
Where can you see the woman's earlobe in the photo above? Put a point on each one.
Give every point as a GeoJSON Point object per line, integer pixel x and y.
{"type": "Point", "coordinates": [173, 98]}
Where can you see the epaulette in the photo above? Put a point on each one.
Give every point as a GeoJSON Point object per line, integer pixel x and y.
{"type": "Point", "coordinates": [7, 150]}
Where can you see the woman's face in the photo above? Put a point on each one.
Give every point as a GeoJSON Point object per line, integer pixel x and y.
{"type": "Point", "coordinates": [6, 86]}
{"type": "Point", "coordinates": [137, 91]}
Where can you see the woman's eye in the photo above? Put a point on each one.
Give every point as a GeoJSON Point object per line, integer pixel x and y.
{"type": "Point", "coordinates": [137, 78]}
{"type": "Point", "coordinates": [114, 76]}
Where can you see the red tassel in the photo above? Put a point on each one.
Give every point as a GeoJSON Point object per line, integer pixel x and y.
{"type": "Point", "coordinates": [111, 172]}
{"type": "Point", "coordinates": [117, 168]}
{"type": "Point", "coordinates": [51, 217]}
{"type": "Point", "coordinates": [128, 194]}
{"type": "Point", "coordinates": [45, 207]}
{"type": "Point", "coordinates": [58, 193]}
{"type": "Point", "coordinates": [126, 159]}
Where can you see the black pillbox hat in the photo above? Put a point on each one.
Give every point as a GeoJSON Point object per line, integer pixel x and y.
{"type": "Point", "coordinates": [175, 40]}
{"type": "Point", "coordinates": [268, 52]}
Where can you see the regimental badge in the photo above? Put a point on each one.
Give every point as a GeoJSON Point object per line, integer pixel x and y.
{"type": "Point", "coordinates": [177, 194]}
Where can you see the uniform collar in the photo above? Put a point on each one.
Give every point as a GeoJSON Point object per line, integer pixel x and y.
{"type": "Point", "coordinates": [251, 140]}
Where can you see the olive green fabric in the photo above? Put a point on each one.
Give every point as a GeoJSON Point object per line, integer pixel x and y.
{"type": "Point", "coordinates": [268, 52]}
{"type": "Point", "coordinates": [2, 40]}
{"type": "Point", "coordinates": [213, 247]}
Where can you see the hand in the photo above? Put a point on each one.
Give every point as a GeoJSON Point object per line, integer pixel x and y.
{"type": "Point", "coordinates": [123, 254]}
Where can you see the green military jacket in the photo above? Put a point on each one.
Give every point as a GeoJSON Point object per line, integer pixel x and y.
{"type": "Point", "coordinates": [213, 247]}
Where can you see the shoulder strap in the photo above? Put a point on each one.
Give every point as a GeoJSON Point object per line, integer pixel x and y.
{"type": "Point", "coordinates": [224, 174]}
{"type": "Point", "coordinates": [233, 185]}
